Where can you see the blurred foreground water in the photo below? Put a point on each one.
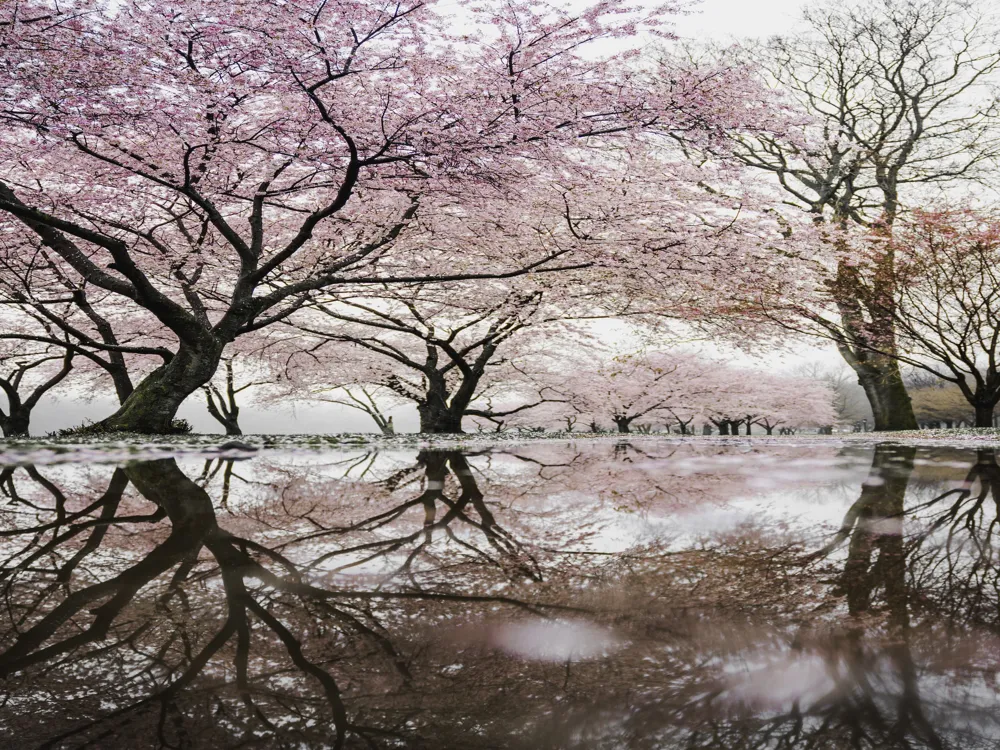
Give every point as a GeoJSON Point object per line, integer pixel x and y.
{"type": "Point", "coordinates": [591, 595]}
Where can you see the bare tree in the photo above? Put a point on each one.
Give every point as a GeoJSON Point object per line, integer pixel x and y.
{"type": "Point", "coordinates": [900, 100]}
{"type": "Point", "coordinates": [946, 303]}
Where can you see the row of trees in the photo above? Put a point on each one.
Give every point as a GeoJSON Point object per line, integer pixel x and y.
{"type": "Point", "coordinates": [676, 388]}
{"type": "Point", "coordinates": [372, 197]}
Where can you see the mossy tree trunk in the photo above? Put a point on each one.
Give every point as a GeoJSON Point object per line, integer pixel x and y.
{"type": "Point", "coordinates": [153, 405]}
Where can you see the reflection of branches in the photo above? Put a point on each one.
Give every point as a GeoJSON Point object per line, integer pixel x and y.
{"type": "Point", "coordinates": [193, 627]}
{"type": "Point", "coordinates": [192, 527]}
{"type": "Point", "coordinates": [269, 601]}
{"type": "Point", "coordinates": [468, 509]}
{"type": "Point", "coordinates": [860, 702]}
{"type": "Point", "coordinates": [952, 550]}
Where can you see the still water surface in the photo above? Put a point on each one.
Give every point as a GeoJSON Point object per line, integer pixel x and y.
{"type": "Point", "coordinates": [587, 595]}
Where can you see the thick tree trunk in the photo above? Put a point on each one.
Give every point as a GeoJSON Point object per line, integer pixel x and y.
{"type": "Point", "coordinates": [723, 428]}
{"type": "Point", "coordinates": [883, 385]}
{"type": "Point", "coordinates": [769, 430]}
{"type": "Point", "coordinates": [868, 343]}
{"type": "Point", "coordinates": [153, 404]}
{"type": "Point", "coordinates": [232, 428]}
{"type": "Point", "coordinates": [442, 411]}
{"type": "Point", "coordinates": [437, 418]}
{"type": "Point", "coordinates": [623, 424]}
{"type": "Point", "coordinates": [440, 423]}
{"type": "Point", "coordinates": [16, 423]}
{"type": "Point", "coordinates": [984, 415]}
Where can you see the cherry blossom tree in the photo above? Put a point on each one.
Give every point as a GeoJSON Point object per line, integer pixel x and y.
{"type": "Point", "coordinates": [747, 397]}
{"type": "Point", "coordinates": [218, 164]}
{"type": "Point", "coordinates": [788, 401]}
{"type": "Point", "coordinates": [622, 388]}
{"type": "Point", "coordinates": [677, 386]}
{"type": "Point", "coordinates": [452, 351]}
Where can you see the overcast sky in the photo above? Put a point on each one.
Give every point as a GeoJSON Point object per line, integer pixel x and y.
{"type": "Point", "coordinates": [733, 19]}
{"type": "Point", "coordinates": [721, 20]}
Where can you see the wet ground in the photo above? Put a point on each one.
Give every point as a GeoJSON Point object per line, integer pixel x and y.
{"type": "Point", "coordinates": [551, 595]}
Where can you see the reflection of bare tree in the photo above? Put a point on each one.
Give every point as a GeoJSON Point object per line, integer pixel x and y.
{"type": "Point", "coordinates": [952, 552]}
{"type": "Point", "coordinates": [873, 696]}
{"type": "Point", "coordinates": [885, 675]}
{"type": "Point", "coordinates": [876, 560]}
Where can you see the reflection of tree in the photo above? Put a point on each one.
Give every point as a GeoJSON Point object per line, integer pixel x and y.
{"type": "Point", "coordinates": [279, 637]}
{"type": "Point", "coordinates": [877, 662]}
{"type": "Point", "coordinates": [90, 615]}
{"type": "Point", "coordinates": [466, 508]}
{"type": "Point", "coordinates": [876, 560]}
{"type": "Point", "coordinates": [362, 610]}
{"type": "Point", "coordinates": [952, 551]}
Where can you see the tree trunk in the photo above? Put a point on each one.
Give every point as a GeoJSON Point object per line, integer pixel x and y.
{"type": "Point", "coordinates": [154, 403]}
{"type": "Point", "coordinates": [769, 430]}
{"type": "Point", "coordinates": [440, 423]}
{"type": "Point", "coordinates": [748, 427]}
{"type": "Point", "coordinates": [883, 385]}
{"type": "Point", "coordinates": [233, 428]}
{"type": "Point", "coordinates": [723, 428]}
{"type": "Point", "coordinates": [16, 424]}
{"type": "Point", "coordinates": [437, 418]}
{"type": "Point", "coordinates": [623, 424]}
{"type": "Point", "coordinates": [228, 417]}
{"type": "Point", "coordinates": [984, 415]}
{"type": "Point", "coordinates": [868, 344]}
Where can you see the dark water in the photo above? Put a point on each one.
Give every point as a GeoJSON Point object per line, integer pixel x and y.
{"type": "Point", "coordinates": [653, 595]}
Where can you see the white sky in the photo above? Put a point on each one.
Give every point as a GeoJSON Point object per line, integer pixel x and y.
{"type": "Point", "coordinates": [723, 20]}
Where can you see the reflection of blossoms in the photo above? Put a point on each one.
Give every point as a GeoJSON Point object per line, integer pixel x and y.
{"type": "Point", "coordinates": [368, 599]}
